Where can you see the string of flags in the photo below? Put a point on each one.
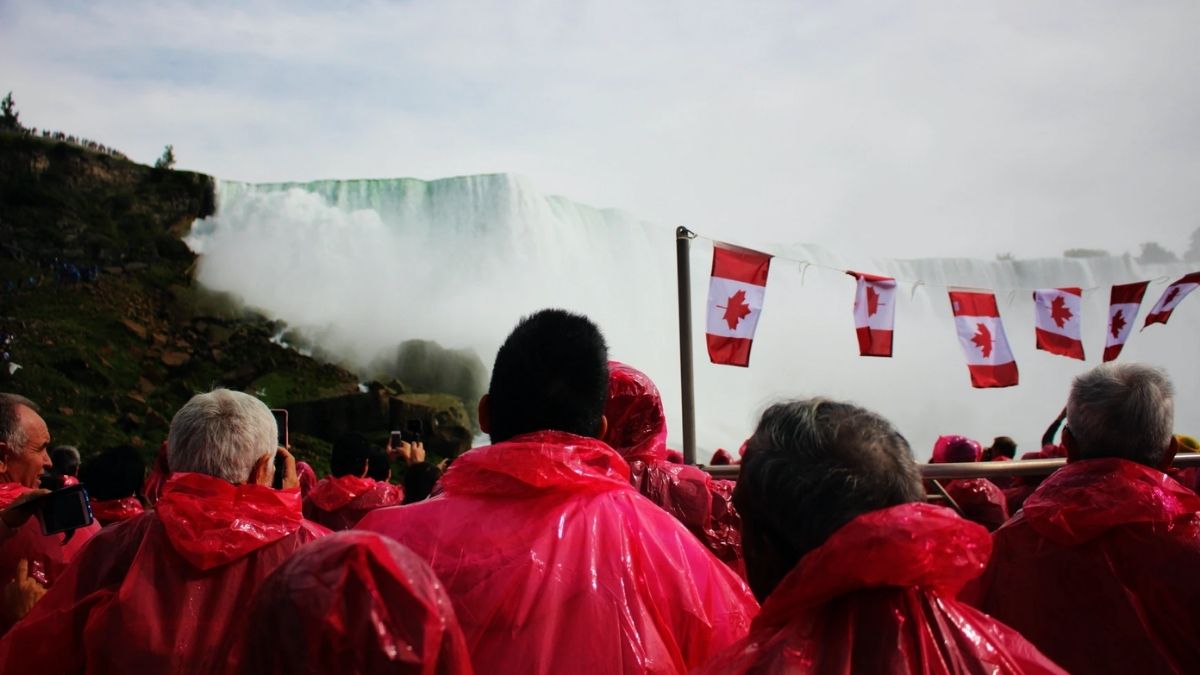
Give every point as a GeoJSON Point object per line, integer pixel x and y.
{"type": "Point", "coordinates": [738, 284]}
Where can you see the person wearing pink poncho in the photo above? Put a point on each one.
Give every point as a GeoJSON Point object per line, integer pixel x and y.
{"type": "Point", "coordinates": [352, 603]}
{"type": "Point", "coordinates": [161, 592]}
{"type": "Point", "coordinates": [28, 558]}
{"type": "Point", "coordinates": [637, 428]}
{"type": "Point", "coordinates": [1097, 569]}
{"type": "Point", "coordinates": [342, 499]}
{"type": "Point", "coordinates": [979, 499]}
{"type": "Point", "coordinates": [554, 562]}
{"type": "Point", "coordinates": [855, 572]}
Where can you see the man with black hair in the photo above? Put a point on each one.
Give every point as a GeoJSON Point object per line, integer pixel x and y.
{"type": "Point", "coordinates": [856, 573]}
{"type": "Point", "coordinates": [350, 492]}
{"type": "Point", "coordinates": [114, 479]}
{"type": "Point", "coordinates": [553, 560]}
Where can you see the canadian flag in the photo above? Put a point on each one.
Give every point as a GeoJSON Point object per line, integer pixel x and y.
{"type": "Point", "coordinates": [1056, 321]}
{"type": "Point", "coordinates": [1123, 307]}
{"type": "Point", "coordinates": [989, 357]}
{"type": "Point", "coordinates": [874, 313]}
{"type": "Point", "coordinates": [735, 298]}
{"type": "Point", "coordinates": [1171, 298]}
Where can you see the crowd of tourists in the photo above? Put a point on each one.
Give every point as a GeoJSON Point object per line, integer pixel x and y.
{"type": "Point", "coordinates": [72, 139]}
{"type": "Point", "coordinates": [573, 543]}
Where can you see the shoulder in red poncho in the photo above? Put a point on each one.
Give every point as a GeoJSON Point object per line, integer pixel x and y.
{"type": "Point", "coordinates": [109, 511]}
{"type": "Point", "coordinates": [352, 603]}
{"type": "Point", "coordinates": [637, 429]}
{"type": "Point", "coordinates": [556, 564]}
{"type": "Point", "coordinates": [158, 593]}
{"type": "Point", "coordinates": [48, 556]}
{"type": "Point", "coordinates": [878, 597]}
{"type": "Point", "coordinates": [340, 502]}
{"type": "Point", "coordinates": [1097, 570]}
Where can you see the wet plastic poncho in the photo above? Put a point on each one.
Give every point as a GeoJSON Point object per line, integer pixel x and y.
{"type": "Point", "coordinates": [159, 593]}
{"type": "Point", "coordinates": [353, 603]}
{"type": "Point", "coordinates": [340, 502]}
{"type": "Point", "coordinates": [637, 428]}
{"type": "Point", "coordinates": [878, 597]}
{"type": "Point", "coordinates": [47, 555]}
{"type": "Point", "coordinates": [981, 501]}
{"type": "Point", "coordinates": [1098, 570]}
{"type": "Point", "coordinates": [556, 564]}
{"type": "Point", "coordinates": [109, 511]}
{"type": "Point", "coordinates": [157, 478]}
{"type": "Point", "coordinates": [307, 476]}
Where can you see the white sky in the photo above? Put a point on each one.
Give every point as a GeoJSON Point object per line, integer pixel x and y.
{"type": "Point", "coordinates": [893, 129]}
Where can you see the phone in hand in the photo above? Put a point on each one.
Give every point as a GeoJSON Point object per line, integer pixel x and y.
{"type": "Point", "coordinates": [281, 439]}
{"type": "Point", "coordinates": [396, 439]}
{"type": "Point", "coordinates": [64, 510]}
{"type": "Point", "coordinates": [413, 431]}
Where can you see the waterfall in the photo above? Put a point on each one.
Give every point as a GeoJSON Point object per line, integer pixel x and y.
{"type": "Point", "coordinates": [358, 266]}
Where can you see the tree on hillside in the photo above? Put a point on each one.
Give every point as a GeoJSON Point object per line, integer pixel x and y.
{"type": "Point", "coordinates": [9, 114]}
{"type": "Point", "coordinates": [1193, 252]}
{"type": "Point", "coordinates": [1153, 252]}
{"type": "Point", "coordinates": [167, 161]}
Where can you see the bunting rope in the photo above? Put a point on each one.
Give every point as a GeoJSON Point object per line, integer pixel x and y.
{"type": "Point", "coordinates": [805, 264]}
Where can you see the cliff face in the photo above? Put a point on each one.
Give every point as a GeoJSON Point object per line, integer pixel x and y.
{"type": "Point", "coordinates": [97, 298]}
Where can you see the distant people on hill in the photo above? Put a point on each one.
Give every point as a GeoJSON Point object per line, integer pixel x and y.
{"type": "Point", "coordinates": [1095, 569]}
{"type": "Point", "coordinates": [162, 592]}
{"type": "Point", "coordinates": [30, 561]}
{"type": "Point", "coordinates": [349, 493]}
{"type": "Point", "coordinates": [553, 561]}
{"type": "Point", "coordinates": [855, 572]}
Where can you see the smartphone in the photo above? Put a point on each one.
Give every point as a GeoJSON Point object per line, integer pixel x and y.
{"type": "Point", "coordinates": [281, 439]}
{"type": "Point", "coordinates": [396, 439]}
{"type": "Point", "coordinates": [281, 427]}
{"type": "Point", "coordinates": [413, 431]}
{"type": "Point", "coordinates": [64, 510]}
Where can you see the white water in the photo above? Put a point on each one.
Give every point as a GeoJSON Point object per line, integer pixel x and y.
{"type": "Point", "coordinates": [359, 266]}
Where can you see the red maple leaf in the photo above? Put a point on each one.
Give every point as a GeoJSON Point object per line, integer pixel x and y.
{"type": "Point", "coordinates": [1118, 323]}
{"type": "Point", "coordinates": [1059, 311]}
{"type": "Point", "coordinates": [736, 309]}
{"type": "Point", "coordinates": [983, 339]}
{"type": "Point", "coordinates": [1170, 296]}
{"type": "Point", "coordinates": [872, 301]}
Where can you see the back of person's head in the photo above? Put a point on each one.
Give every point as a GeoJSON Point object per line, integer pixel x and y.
{"type": "Point", "coordinates": [350, 454]}
{"type": "Point", "coordinates": [1124, 410]}
{"type": "Point", "coordinates": [551, 373]}
{"type": "Point", "coordinates": [811, 467]}
{"type": "Point", "coordinates": [1003, 446]}
{"type": "Point", "coordinates": [962, 450]}
{"type": "Point", "coordinates": [419, 480]}
{"type": "Point", "coordinates": [379, 465]}
{"type": "Point", "coordinates": [114, 473]}
{"type": "Point", "coordinates": [633, 407]}
{"type": "Point", "coordinates": [353, 602]}
{"type": "Point", "coordinates": [65, 459]}
{"type": "Point", "coordinates": [222, 433]}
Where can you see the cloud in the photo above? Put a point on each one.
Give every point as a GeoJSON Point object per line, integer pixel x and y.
{"type": "Point", "coordinates": [902, 129]}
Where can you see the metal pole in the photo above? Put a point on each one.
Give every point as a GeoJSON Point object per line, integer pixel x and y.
{"type": "Point", "coordinates": [688, 391]}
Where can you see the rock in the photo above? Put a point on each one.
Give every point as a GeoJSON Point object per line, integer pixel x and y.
{"type": "Point", "coordinates": [66, 411]}
{"type": "Point", "coordinates": [160, 339]}
{"type": "Point", "coordinates": [175, 359]}
{"type": "Point", "coordinates": [114, 271]}
{"type": "Point", "coordinates": [145, 386]}
{"type": "Point", "coordinates": [135, 266]}
{"type": "Point", "coordinates": [136, 396]}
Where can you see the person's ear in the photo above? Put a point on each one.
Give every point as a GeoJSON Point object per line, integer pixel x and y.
{"type": "Point", "coordinates": [603, 427]}
{"type": "Point", "coordinates": [1068, 441]}
{"type": "Point", "coordinates": [485, 413]}
{"type": "Point", "coordinates": [1169, 457]}
{"type": "Point", "coordinates": [263, 471]}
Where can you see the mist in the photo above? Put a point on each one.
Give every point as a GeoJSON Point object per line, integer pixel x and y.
{"type": "Point", "coordinates": [359, 267]}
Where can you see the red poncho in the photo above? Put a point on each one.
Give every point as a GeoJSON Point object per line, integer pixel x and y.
{"type": "Point", "coordinates": [159, 593]}
{"type": "Point", "coordinates": [353, 603]}
{"type": "Point", "coordinates": [1098, 569]}
{"type": "Point", "coordinates": [109, 511]}
{"type": "Point", "coordinates": [878, 597]}
{"type": "Point", "coordinates": [47, 555]}
{"type": "Point", "coordinates": [556, 564]}
{"type": "Point", "coordinates": [159, 473]}
{"type": "Point", "coordinates": [340, 502]}
{"type": "Point", "coordinates": [980, 500]}
{"type": "Point", "coordinates": [637, 428]}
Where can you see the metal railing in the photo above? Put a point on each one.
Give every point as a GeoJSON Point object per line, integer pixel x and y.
{"type": "Point", "coordinates": [944, 472]}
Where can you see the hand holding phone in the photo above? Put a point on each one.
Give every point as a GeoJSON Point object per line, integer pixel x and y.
{"type": "Point", "coordinates": [286, 476]}
{"type": "Point", "coordinates": [64, 510]}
